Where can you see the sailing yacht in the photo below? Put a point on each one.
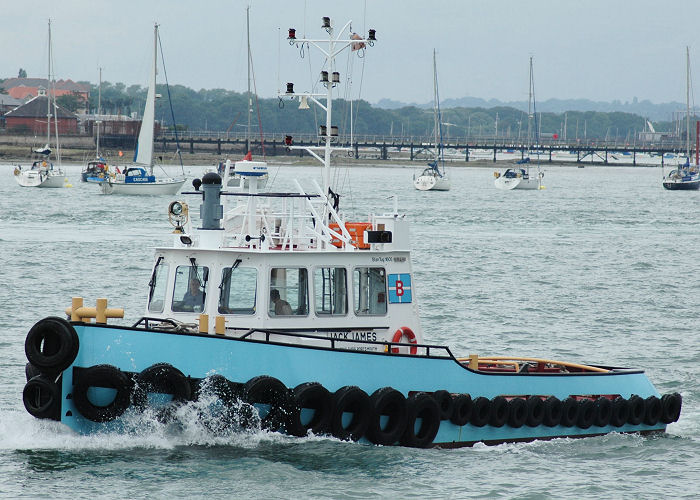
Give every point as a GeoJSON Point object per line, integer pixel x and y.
{"type": "Point", "coordinates": [433, 177]}
{"type": "Point", "coordinates": [239, 173]}
{"type": "Point", "coordinates": [43, 173]}
{"type": "Point", "coordinates": [518, 177]}
{"type": "Point", "coordinates": [96, 170]}
{"type": "Point", "coordinates": [685, 177]}
{"type": "Point", "coordinates": [135, 179]}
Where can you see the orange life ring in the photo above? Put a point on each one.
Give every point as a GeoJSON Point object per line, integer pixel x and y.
{"type": "Point", "coordinates": [405, 331]}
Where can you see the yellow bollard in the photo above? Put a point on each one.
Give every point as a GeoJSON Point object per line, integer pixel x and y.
{"type": "Point", "coordinates": [203, 323]}
{"type": "Point", "coordinates": [220, 325]}
{"type": "Point", "coordinates": [474, 361]}
{"type": "Point", "coordinates": [79, 313]}
{"type": "Point", "coordinates": [75, 304]}
{"type": "Point", "coordinates": [100, 316]}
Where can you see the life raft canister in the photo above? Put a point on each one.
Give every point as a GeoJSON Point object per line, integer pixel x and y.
{"type": "Point", "coordinates": [405, 331]}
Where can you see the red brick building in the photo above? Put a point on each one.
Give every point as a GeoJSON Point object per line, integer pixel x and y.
{"type": "Point", "coordinates": [31, 117]}
{"type": "Point", "coordinates": [21, 88]}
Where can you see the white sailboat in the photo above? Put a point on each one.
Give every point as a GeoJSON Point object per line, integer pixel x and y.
{"type": "Point", "coordinates": [43, 173]}
{"type": "Point", "coordinates": [433, 177]}
{"type": "Point", "coordinates": [135, 179]}
{"type": "Point", "coordinates": [519, 177]}
{"type": "Point", "coordinates": [684, 177]}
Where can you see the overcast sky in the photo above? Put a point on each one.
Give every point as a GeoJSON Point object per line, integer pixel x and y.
{"type": "Point", "coordinates": [597, 49]}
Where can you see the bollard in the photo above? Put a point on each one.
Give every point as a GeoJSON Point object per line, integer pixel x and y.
{"type": "Point", "coordinates": [220, 325]}
{"type": "Point", "coordinates": [203, 323]}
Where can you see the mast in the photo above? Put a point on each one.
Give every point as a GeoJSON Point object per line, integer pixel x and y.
{"type": "Point", "coordinates": [436, 118]}
{"type": "Point", "coordinates": [687, 103]}
{"type": "Point", "coordinates": [250, 97]}
{"type": "Point", "coordinates": [529, 109]}
{"type": "Point", "coordinates": [99, 111]}
{"type": "Point", "coordinates": [48, 93]}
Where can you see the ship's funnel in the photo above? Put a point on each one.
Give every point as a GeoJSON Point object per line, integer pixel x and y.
{"type": "Point", "coordinates": [211, 211]}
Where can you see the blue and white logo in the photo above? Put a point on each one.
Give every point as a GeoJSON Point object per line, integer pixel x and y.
{"type": "Point", "coordinates": [400, 288]}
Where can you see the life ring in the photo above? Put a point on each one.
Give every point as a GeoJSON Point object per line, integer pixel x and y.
{"type": "Point", "coordinates": [161, 378]}
{"type": "Point", "coordinates": [535, 411]}
{"type": "Point", "coordinates": [312, 396]}
{"type": "Point", "coordinates": [652, 410]}
{"type": "Point", "coordinates": [461, 409]}
{"type": "Point", "coordinates": [518, 412]}
{"type": "Point", "coordinates": [569, 412]}
{"type": "Point", "coordinates": [42, 398]}
{"type": "Point", "coordinates": [445, 403]}
{"type": "Point", "coordinates": [405, 331]}
{"type": "Point", "coordinates": [671, 407]}
{"type": "Point", "coordinates": [350, 399]}
{"type": "Point", "coordinates": [498, 411]}
{"type": "Point", "coordinates": [390, 403]}
{"type": "Point", "coordinates": [586, 413]}
{"type": "Point", "coordinates": [552, 411]}
{"type": "Point", "coordinates": [106, 376]}
{"type": "Point", "coordinates": [603, 408]}
{"type": "Point", "coordinates": [266, 390]}
{"type": "Point", "coordinates": [421, 406]}
{"type": "Point", "coordinates": [480, 412]}
{"type": "Point", "coordinates": [620, 412]}
{"type": "Point", "coordinates": [51, 345]}
{"type": "Point", "coordinates": [636, 414]}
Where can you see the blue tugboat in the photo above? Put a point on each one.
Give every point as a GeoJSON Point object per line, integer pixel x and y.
{"type": "Point", "coordinates": [277, 312]}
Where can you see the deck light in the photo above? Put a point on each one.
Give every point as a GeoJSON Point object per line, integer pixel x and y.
{"type": "Point", "coordinates": [326, 23]}
{"type": "Point", "coordinates": [290, 88]}
{"type": "Point", "coordinates": [336, 77]}
{"type": "Point", "coordinates": [334, 131]}
{"type": "Point", "coordinates": [372, 37]}
{"type": "Point", "coordinates": [324, 76]}
{"type": "Point", "coordinates": [323, 130]}
{"type": "Point", "coordinates": [185, 240]}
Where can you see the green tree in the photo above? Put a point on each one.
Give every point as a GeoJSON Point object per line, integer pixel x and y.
{"type": "Point", "coordinates": [22, 73]}
{"type": "Point", "coordinates": [72, 102]}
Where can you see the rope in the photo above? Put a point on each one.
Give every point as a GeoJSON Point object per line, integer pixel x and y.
{"type": "Point", "coordinates": [170, 102]}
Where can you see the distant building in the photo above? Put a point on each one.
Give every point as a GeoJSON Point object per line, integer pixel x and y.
{"type": "Point", "coordinates": [21, 88]}
{"type": "Point", "coordinates": [31, 117]}
{"type": "Point", "coordinates": [8, 103]}
{"type": "Point", "coordinates": [115, 130]}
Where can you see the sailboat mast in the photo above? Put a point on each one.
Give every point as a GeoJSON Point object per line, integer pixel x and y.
{"type": "Point", "coordinates": [687, 103]}
{"type": "Point", "coordinates": [529, 108]}
{"type": "Point", "coordinates": [250, 97]}
{"type": "Point", "coordinates": [436, 118]}
{"type": "Point", "coordinates": [48, 93]}
{"type": "Point", "coordinates": [99, 111]}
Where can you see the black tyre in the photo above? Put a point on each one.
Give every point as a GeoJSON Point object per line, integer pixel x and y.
{"type": "Point", "coordinates": [313, 396]}
{"type": "Point", "coordinates": [31, 371]}
{"type": "Point", "coordinates": [671, 407]}
{"type": "Point", "coordinates": [517, 414]}
{"type": "Point", "coordinates": [603, 412]}
{"type": "Point", "coordinates": [42, 398]}
{"type": "Point", "coordinates": [445, 402]}
{"type": "Point", "coordinates": [461, 409]}
{"type": "Point", "coordinates": [51, 345]}
{"type": "Point", "coordinates": [652, 410]}
{"type": "Point", "coordinates": [350, 399]}
{"type": "Point", "coordinates": [586, 413]}
{"type": "Point", "coordinates": [552, 411]}
{"type": "Point", "coordinates": [498, 411]}
{"type": "Point", "coordinates": [162, 378]}
{"type": "Point", "coordinates": [480, 412]}
{"type": "Point", "coordinates": [268, 391]}
{"type": "Point", "coordinates": [421, 406]}
{"type": "Point", "coordinates": [636, 405]}
{"type": "Point", "coordinates": [535, 411]}
{"type": "Point", "coordinates": [106, 376]}
{"type": "Point", "coordinates": [620, 412]}
{"type": "Point", "coordinates": [569, 412]}
{"type": "Point", "coordinates": [388, 405]}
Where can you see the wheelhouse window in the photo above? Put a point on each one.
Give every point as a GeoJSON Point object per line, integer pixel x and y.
{"type": "Point", "coordinates": [288, 292]}
{"type": "Point", "coordinates": [190, 288]}
{"type": "Point", "coordinates": [158, 286]}
{"type": "Point", "coordinates": [369, 285]}
{"type": "Point", "coordinates": [239, 289]}
{"type": "Point", "coordinates": [330, 291]}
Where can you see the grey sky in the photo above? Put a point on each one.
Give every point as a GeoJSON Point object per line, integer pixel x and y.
{"type": "Point", "coordinates": [596, 49]}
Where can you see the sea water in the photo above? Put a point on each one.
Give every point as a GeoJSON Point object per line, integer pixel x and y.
{"type": "Point", "coordinates": [599, 267]}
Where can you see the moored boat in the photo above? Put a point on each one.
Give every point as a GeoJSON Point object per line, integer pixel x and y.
{"type": "Point", "coordinates": [279, 312]}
